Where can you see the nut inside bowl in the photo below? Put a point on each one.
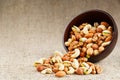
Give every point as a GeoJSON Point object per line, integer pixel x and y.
{"type": "Point", "coordinates": [91, 17]}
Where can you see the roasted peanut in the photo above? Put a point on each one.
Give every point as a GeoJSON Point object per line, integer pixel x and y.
{"type": "Point", "coordinates": [55, 69]}
{"type": "Point", "coordinates": [89, 40]}
{"type": "Point", "coordinates": [90, 51]}
{"type": "Point", "coordinates": [82, 54]}
{"type": "Point", "coordinates": [65, 69]}
{"type": "Point", "coordinates": [98, 69]}
{"type": "Point", "coordinates": [60, 74]}
{"type": "Point", "coordinates": [82, 59]}
{"type": "Point", "coordinates": [80, 71]}
{"type": "Point", "coordinates": [84, 49]}
{"type": "Point", "coordinates": [95, 46]}
{"type": "Point", "coordinates": [95, 52]}
{"type": "Point", "coordinates": [105, 24]}
{"type": "Point", "coordinates": [90, 35]}
{"type": "Point", "coordinates": [40, 67]}
{"type": "Point", "coordinates": [101, 48]}
{"type": "Point", "coordinates": [99, 30]}
{"type": "Point", "coordinates": [108, 38]}
{"type": "Point", "coordinates": [65, 58]}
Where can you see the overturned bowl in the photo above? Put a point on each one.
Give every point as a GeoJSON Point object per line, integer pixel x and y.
{"type": "Point", "coordinates": [91, 17]}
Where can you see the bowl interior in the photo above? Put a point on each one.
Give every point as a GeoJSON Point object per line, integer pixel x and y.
{"type": "Point", "coordinates": [91, 17]}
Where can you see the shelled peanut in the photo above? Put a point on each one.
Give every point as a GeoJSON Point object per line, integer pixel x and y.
{"type": "Point", "coordinates": [69, 63]}
{"type": "Point", "coordinates": [90, 39]}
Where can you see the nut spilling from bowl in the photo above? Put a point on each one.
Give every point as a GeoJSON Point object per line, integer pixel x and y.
{"type": "Point", "coordinates": [85, 41]}
{"type": "Point", "coordinates": [90, 39]}
{"type": "Point", "coordinates": [69, 63]}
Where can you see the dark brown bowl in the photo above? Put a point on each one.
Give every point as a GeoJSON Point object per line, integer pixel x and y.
{"type": "Point", "coordinates": [91, 17]}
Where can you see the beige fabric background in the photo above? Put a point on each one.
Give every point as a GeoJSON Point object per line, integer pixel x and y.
{"type": "Point", "coordinates": [31, 29]}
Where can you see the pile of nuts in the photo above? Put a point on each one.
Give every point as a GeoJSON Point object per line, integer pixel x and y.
{"type": "Point", "coordinates": [90, 40]}
{"type": "Point", "coordinates": [66, 64]}
{"type": "Point", "coordinates": [84, 42]}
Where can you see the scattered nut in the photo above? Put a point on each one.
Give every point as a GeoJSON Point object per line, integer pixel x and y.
{"type": "Point", "coordinates": [60, 74]}
{"type": "Point", "coordinates": [80, 71]}
{"type": "Point", "coordinates": [47, 71]}
{"type": "Point", "coordinates": [40, 68]}
{"type": "Point", "coordinates": [98, 69]}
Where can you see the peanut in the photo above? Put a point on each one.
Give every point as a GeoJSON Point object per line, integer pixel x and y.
{"type": "Point", "coordinates": [80, 71]}
{"type": "Point", "coordinates": [95, 46]}
{"type": "Point", "coordinates": [66, 69]}
{"type": "Point", "coordinates": [101, 48]}
{"type": "Point", "coordinates": [90, 35]}
{"type": "Point", "coordinates": [65, 58]}
{"type": "Point", "coordinates": [98, 69]}
{"type": "Point", "coordinates": [60, 74]}
{"type": "Point", "coordinates": [105, 24]}
{"type": "Point", "coordinates": [40, 68]}
{"type": "Point", "coordinates": [99, 30]}
{"type": "Point", "coordinates": [89, 40]}
{"type": "Point", "coordinates": [108, 38]}
{"type": "Point", "coordinates": [90, 51]}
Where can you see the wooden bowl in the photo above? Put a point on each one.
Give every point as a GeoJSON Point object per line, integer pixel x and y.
{"type": "Point", "coordinates": [92, 16]}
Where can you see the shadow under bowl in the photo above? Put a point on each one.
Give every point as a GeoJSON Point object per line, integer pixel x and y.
{"type": "Point", "coordinates": [91, 17]}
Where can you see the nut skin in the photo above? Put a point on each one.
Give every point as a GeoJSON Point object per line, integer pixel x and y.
{"type": "Point", "coordinates": [65, 58]}
{"type": "Point", "coordinates": [99, 30]}
{"type": "Point", "coordinates": [77, 35]}
{"type": "Point", "coordinates": [99, 42]}
{"type": "Point", "coordinates": [95, 46]}
{"type": "Point", "coordinates": [98, 69]}
{"type": "Point", "coordinates": [108, 38]}
{"type": "Point", "coordinates": [82, 59]}
{"type": "Point", "coordinates": [90, 51]}
{"type": "Point", "coordinates": [101, 48]}
{"type": "Point", "coordinates": [66, 69]}
{"type": "Point", "coordinates": [82, 54]}
{"type": "Point", "coordinates": [89, 40]}
{"type": "Point", "coordinates": [40, 68]}
{"type": "Point", "coordinates": [89, 35]}
{"type": "Point", "coordinates": [104, 23]}
{"type": "Point", "coordinates": [60, 74]}
{"type": "Point", "coordinates": [84, 49]}
{"type": "Point", "coordinates": [80, 71]}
